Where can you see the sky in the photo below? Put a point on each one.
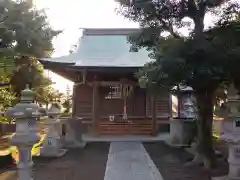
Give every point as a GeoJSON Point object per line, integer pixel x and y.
{"type": "Point", "coordinates": [72, 15]}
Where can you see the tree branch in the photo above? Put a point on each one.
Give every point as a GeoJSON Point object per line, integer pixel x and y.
{"type": "Point", "coordinates": [166, 25]}
{"type": "Point", "coordinates": [202, 8]}
{"type": "Point", "coordinates": [191, 9]}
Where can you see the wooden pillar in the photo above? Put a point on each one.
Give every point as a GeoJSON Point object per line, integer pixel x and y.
{"type": "Point", "coordinates": [74, 100]}
{"type": "Point", "coordinates": [95, 106]}
{"type": "Point", "coordinates": [154, 115]}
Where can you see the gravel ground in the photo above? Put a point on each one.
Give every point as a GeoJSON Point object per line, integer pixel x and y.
{"type": "Point", "coordinates": [170, 163]}
{"type": "Point", "coordinates": [78, 164]}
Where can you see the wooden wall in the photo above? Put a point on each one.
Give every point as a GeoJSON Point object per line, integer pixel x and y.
{"type": "Point", "coordinates": [139, 104]}
{"type": "Point", "coordinates": [83, 101]}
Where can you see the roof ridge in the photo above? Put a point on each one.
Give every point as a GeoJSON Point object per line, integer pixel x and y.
{"type": "Point", "coordinates": [110, 31]}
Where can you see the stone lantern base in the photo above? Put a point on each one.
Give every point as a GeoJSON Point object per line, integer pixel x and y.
{"type": "Point", "coordinates": [52, 148]}
{"type": "Point", "coordinates": [69, 140]}
{"type": "Point", "coordinates": [180, 132]}
{"type": "Point", "coordinates": [52, 152]}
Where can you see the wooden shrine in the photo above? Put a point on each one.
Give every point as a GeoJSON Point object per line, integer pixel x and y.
{"type": "Point", "coordinates": [107, 99]}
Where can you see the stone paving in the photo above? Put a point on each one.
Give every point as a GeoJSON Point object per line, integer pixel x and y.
{"type": "Point", "coordinates": [130, 161]}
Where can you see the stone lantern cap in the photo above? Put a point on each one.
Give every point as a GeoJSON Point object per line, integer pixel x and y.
{"type": "Point", "coordinates": [25, 107]}
{"type": "Point", "coordinates": [54, 110]}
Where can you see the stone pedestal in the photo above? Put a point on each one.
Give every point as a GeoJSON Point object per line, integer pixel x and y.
{"type": "Point", "coordinates": [233, 141]}
{"type": "Point", "coordinates": [24, 144]}
{"type": "Point", "coordinates": [52, 146]}
{"type": "Point", "coordinates": [70, 139]}
{"type": "Point", "coordinates": [234, 160]}
{"type": "Point", "coordinates": [179, 132]}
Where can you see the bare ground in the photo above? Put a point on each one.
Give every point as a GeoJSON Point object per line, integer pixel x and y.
{"type": "Point", "coordinates": [170, 163]}
{"type": "Point", "coordinates": [78, 164]}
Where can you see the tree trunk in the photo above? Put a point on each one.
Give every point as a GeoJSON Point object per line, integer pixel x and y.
{"type": "Point", "coordinates": [205, 152]}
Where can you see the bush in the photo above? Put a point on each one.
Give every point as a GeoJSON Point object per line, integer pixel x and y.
{"type": "Point", "coordinates": [4, 119]}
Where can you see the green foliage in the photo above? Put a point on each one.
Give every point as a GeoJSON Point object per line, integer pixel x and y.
{"type": "Point", "coordinates": [57, 104]}
{"type": "Point", "coordinates": [179, 59]}
{"type": "Point", "coordinates": [156, 17]}
{"type": "Point", "coordinates": [182, 61]}
{"type": "Point", "coordinates": [47, 95]}
{"type": "Point", "coordinates": [32, 33]}
{"type": "Point", "coordinates": [67, 105]}
{"type": "Point", "coordinates": [6, 98]}
{"type": "Point", "coordinates": [25, 36]}
{"type": "Point", "coordinates": [33, 76]}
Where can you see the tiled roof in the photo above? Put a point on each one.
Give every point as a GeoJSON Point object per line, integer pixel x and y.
{"type": "Point", "coordinates": [105, 48]}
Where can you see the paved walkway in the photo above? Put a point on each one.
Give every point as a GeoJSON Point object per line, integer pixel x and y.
{"type": "Point", "coordinates": [130, 161]}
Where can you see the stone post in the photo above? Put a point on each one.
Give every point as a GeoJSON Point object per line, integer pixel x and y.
{"type": "Point", "coordinates": [71, 140]}
{"type": "Point", "coordinates": [52, 144]}
{"type": "Point", "coordinates": [26, 114]}
{"type": "Point", "coordinates": [231, 134]}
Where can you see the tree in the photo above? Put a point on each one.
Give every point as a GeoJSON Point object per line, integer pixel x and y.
{"type": "Point", "coordinates": [67, 104]}
{"type": "Point", "coordinates": [203, 69]}
{"type": "Point", "coordinates": [191, 61]}
{"type": "Point", "coordinates": [45, 95]}
{"type": "Point", "coordinates": [26, 33]}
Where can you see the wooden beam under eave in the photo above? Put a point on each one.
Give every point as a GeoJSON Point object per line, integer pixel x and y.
{"type": "Point", "coordinates": [84, 76]}
{"type": "Point", "coordinates": [110, 83]}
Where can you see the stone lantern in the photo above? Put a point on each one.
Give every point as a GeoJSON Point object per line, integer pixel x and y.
{"type": "Point", "coordinates": [231, 133]}
{"type": "Point", "coordinates": [25, 114]}
{"type": "Point", "coordinates": [182, 124]}
{"type": "Point", "coordinates": [52, 144]}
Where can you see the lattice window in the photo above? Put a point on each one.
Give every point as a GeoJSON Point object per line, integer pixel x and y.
{"type": "Point", "coordinates": [115, 92]}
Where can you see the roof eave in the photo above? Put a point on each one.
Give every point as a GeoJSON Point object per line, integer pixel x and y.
{"type": "Point", "coordinates": [53, 64]}
{"type": "Point", "coordinates": [107, 69]}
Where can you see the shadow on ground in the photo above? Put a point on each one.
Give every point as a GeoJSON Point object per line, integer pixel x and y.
{"type": "Point", "coordinates": [170, 162]}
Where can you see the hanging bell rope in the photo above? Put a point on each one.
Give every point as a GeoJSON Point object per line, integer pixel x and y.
{"type": "Point", "coordinates": [126, 92]}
